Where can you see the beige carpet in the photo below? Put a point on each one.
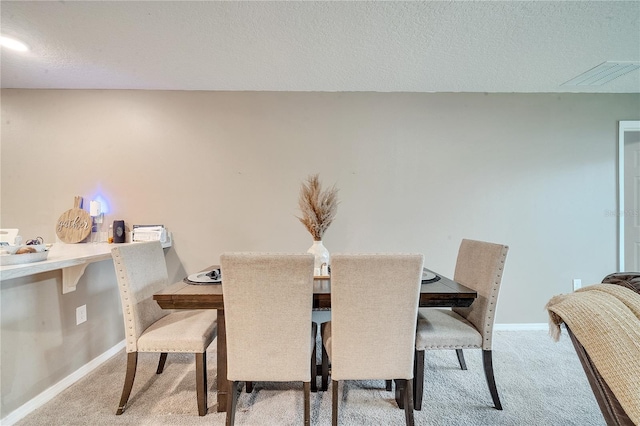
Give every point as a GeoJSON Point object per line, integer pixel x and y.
{"type": "Point", "coordinates": [540, 383]}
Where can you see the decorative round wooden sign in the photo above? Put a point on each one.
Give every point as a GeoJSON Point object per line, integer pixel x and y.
{"type": "Point", "coordinates": [73, 226]}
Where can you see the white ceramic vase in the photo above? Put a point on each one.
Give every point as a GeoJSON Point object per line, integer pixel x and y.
{"type": "Point", "coordinates": [321, 263]}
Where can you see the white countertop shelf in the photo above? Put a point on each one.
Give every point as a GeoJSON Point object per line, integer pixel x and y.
{"type": "Point", "coordinates": [72, 259]}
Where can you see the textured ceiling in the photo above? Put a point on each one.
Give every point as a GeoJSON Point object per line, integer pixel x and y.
{"type": "Point", "coordinates": [452, 46]}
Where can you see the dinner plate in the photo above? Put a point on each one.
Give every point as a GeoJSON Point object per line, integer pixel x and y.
{"type": "Point", "coordinates": [429, 277]}
{"type": "Point", "coordinates": [202, 278]}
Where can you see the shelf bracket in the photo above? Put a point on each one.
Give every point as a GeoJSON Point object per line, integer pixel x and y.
{"type": "Point", "coordinates": [70, 277]}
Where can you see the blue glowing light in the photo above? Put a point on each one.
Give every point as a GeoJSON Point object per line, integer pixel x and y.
{"type": "Point", "coordinates": [104, 204]}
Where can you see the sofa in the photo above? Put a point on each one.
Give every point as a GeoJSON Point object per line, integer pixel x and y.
{"type": "Point", "coordinates": [603, 322]}
{"type": "Point", "coordinates": [631, 280]}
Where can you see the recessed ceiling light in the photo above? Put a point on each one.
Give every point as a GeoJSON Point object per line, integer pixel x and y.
{"type": "Point", "coordinates": [13, 44]}
{"type": "Point", "coordinates": [603, 73]}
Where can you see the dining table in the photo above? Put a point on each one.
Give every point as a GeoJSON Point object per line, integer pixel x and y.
{"type": "Point", "coordinates": [438, 291]}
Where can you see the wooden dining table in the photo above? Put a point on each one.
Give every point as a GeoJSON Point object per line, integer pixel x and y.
{"type": "Point", "coordinates": [182, 295]}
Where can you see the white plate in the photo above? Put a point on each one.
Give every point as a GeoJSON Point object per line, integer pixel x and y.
{"type": "Point", "coordinates": [203, 278]}
{"type": "Point", "coordinates": [426, 275]}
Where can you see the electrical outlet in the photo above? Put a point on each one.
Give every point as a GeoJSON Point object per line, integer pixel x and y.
{"type": "Point", "coordinates": [81, 314]}
{"type": "Point", "coordinates": [577, 283]}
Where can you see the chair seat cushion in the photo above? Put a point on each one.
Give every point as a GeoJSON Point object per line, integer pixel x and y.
{"type": "Point", "coordinates": [181, 331]}
{"type": "Point", "coordinates": [445, 329]}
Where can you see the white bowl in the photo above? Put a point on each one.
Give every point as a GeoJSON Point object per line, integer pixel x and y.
{"type": "Point", "coordinates": [13, 249]}
{"type": "Point", "coordinates": [16, 259]}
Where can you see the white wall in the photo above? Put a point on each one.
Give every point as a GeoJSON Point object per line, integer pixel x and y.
{"type": "Point", "coordinates": [41, 343]}
{"type": "Point", "coordinates": [416, 172]}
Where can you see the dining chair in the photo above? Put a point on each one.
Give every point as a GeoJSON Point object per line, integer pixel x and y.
{"type": "Point", "coordinates": [479, 266]}
{"type": "Point", "coordinates": [371, 335]}
{"type": "Point", "coordinates": [141, 271]}
{"type": "Point", "coordinates": [268, 299]}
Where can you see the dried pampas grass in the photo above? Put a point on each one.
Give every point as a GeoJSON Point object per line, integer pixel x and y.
{"type": "Point", "coordinates": [318, 207]}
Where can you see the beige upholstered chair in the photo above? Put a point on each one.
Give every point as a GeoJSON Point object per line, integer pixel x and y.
{"type": "Point", "coordinates": [268, 299]}
{"type": "Point", "coordinates": [141, 271]}
{"type": "Point", "coordinates": [371, 335]}
{"type": "Point", "coordinates": [479, 266]}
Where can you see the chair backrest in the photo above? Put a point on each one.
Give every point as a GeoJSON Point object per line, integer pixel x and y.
{"type": "Point", "coordinates": [479, 266]}
{"type": "Point", "coordinates": [268, 300]}
{"type": "Point", "coordinates": [141, 271]}
{"type": "Point", "coordinates": [374, 306]}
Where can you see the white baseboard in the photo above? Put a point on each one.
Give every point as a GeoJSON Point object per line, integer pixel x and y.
{"type": "Point", "coordinates": [521, 327]}
{"type": "Point", "coordinates": [54, 390]}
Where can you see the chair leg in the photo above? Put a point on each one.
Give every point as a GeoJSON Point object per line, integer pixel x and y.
{"type": "Point", "coordinates": [325, 370]}
{"type": "Point", "coordinates": [399, 393]}
{"type": "Point", "coordinates": [463, 365]}
{"type": "Point", "coordinates": [232, 399]}
{"type": "Point", "coordinates": [314, 357]}
{"type": "Point", "coordinates": [325, 363]}
{"type": "Point", "coordinates": [132, 362]}
{"type": "Point", "coordinates": [407, 392]}
{"type": "Point", "coordinates": [388, 385]}
{"type": "Point", "coordinates": [161, 362]}
{"type": "Point", "coordinates": [314, 372]}
{"type": "Point", "coordinates": [418, 379]}
{"type": "Point", "coordinates": [487, 361]}
{"type": "Point", "coordinates": [249, 386]}
{"type": "Point", "coordinates": [334, 403]}
{"type": "Point", "coordinates": [307, 403]}
{"type": "Point", "coordinates": [201, 382]}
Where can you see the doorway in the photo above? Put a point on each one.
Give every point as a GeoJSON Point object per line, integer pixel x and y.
{"type": "Point", "coordinates": [629, 196]}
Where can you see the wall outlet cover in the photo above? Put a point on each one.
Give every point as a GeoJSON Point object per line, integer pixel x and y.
{"type": "Point", "coordinates": [577, 283]}
{"type": "Point", "coordinates": [81, 314]}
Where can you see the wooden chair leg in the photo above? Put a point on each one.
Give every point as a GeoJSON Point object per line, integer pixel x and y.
{"type": "Point", "coordinates": [201, 382]}
{"type": "Point", "coordinates": [463, 365]}
{"type": "Point", "coordinates": [334, 403]}
{"type": "Point", "coordinates": [307, 403]}
{"type": "Point", "coordinates": [487, 361]}
{"type": "Point", "coordinates": [418, 379]}
{"type": "Point", "coordinates": [249, 386]}
{"type": "Point", "coordinates": [325, 369]}
{"type": "Point", "coordinates": [399, 391]}
{"type": "Point", "coordinates": [407, 392]}
{"type": "Point", "coordinates": [132, 362]}
{"type": "Point", "coordinates": [388, 385]}
{"type": "Point", "coordinates": [161, 362]}
{"type": "Point", "coordinates": [232, 399]}
{"type": "Point", "coordinates": [314, 358]}
{"type": "Point", "coordinates": [325, 362]}
{"type": "Point", "coordinates": [314, 371]}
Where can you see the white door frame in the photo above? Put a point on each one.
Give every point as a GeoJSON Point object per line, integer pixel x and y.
{"type": "Point", "coordinates": [623, 126]}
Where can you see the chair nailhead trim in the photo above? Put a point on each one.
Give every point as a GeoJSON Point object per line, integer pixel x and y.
{"type": "Point", "coordinates": [131, 339]}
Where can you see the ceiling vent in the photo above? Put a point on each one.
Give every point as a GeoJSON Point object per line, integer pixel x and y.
{"type": "Point", "coordinates": [603, 73]}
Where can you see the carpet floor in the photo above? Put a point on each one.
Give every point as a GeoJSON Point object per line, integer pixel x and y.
{"type": "Point", "coordinates": [540, 382]}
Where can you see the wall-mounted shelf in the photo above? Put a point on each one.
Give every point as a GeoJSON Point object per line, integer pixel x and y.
{"type": "Point", "coordinates": [72, 259]}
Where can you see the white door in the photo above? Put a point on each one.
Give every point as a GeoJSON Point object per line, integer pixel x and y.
{"type": "Point", "coordinates": [631, 212]}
